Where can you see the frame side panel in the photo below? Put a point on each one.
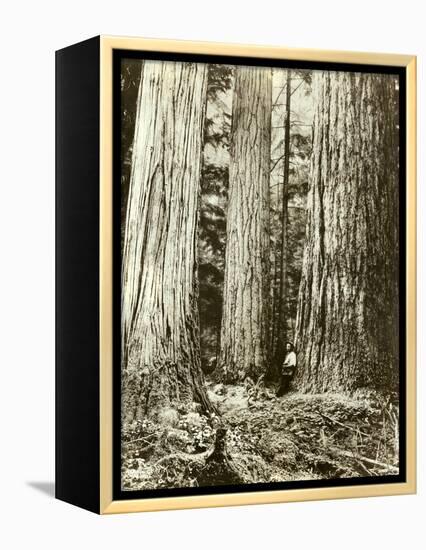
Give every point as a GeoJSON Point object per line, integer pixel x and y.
{"type": "Point", "coordinates": [77, 274]}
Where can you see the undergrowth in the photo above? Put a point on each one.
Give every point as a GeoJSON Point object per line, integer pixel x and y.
{"type": "Point", "coordinates": [295, 437]}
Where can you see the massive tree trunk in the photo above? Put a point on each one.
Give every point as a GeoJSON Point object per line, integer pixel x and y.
{"type": "Point", "coordinates": [160, 333]}
{"type": "Point", "coordinates": [347, 323]}
{"type": "Point", "coordinates": [244, 334]}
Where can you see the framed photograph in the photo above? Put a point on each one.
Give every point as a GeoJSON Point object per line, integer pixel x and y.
{"type": "Point", "coordinates": [235, 274]}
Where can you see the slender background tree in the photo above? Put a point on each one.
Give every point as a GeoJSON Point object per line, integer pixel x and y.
{"type": "Point", "coordinates": [282, 296]}
{"type": "Point", "coordinates": [291, 139]}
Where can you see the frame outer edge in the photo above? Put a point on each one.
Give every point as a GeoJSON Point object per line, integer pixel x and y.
{"type": "Point", "coordinates": [250, 50]}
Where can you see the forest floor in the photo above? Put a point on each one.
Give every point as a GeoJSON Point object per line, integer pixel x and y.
{"type": "Point", "coordinates": [263, 439]}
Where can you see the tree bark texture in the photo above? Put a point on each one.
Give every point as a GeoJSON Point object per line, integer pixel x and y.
{"type": "Point", "coordinates": [244, 333]}
{"type": "Point", "coordinates": [347, 322]}
{"type": "Point", "coordinates": [160, 329]}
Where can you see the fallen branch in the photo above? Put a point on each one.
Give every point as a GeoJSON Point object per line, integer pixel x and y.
{"type": "Point", "coordinates": [344, 425]}
{"type": "Point", "coordinates": [145, 439]}
{"type": "Point", "coordinates": [348, 454]}
{"type": "Point", "coordinates": [365, 469]}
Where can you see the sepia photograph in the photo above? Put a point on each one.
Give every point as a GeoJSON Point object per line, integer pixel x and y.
{"type": "Point", "coordinates": [261, 302]}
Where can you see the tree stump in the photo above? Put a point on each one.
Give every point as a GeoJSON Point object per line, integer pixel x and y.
{"type": "Point", "coordinates": [220, 468]}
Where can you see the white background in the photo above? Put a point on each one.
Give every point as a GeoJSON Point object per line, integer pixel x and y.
{"type": "Point", "coordinates": [29, 34]}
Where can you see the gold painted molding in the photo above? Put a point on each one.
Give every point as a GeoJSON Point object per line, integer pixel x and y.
{"type": "Point", "coordinates": [107, 45]}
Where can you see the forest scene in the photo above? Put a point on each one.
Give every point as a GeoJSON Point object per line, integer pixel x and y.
{"type": "Point", "coordinates": [260, 274]}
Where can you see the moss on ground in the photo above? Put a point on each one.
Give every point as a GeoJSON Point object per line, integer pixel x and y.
{"type": "Point", "coordinates": [295, 437]}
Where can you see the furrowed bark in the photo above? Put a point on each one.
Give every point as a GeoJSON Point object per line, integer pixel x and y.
{"type": "Point", "coordinates": [347, 322]}
{"type": "Point", "coordinates": [244, 333]}
{"type": "Point", "coordinates": [160, 329]}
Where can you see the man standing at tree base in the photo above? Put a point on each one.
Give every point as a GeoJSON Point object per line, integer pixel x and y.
{"type": "Point", "coordinates": [287, 370]}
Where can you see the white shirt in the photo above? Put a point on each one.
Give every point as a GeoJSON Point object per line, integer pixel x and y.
{"type": "Point", "coordinates": [290, 359]}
